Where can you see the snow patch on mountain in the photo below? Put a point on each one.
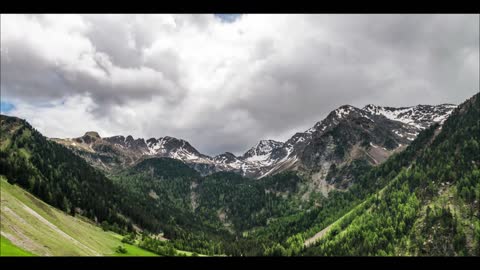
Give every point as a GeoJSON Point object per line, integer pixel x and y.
{"type": "Point", "coordinates": [269, 156]}
{"type": "Point", "coordinates": [344, 111]}
{"type": "Point", "coordinates": [420, 116]}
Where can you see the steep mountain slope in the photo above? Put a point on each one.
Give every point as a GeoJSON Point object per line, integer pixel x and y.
{"type": "Point", "coordinates": [55, 174]}
{"type": "Point", "coordinates": [38, 228]}
{"type": "Point", "coordinates": [242, 204]}
{"type": "Point", "coordinates": [162, 187]}
{"type": "Point", "coordinates": [64, 180]}
{"type": "Point", "coordinates": [286, 235]}
{"type": "Point", "coordinates": [430, 207]}
{"type": "Point", "coordinates": [371, 134]}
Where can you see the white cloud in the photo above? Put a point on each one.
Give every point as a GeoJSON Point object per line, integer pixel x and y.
{"type": "Point", "coordinates": [223, 86]}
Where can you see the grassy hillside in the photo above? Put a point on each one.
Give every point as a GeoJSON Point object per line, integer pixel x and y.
{"type": "Point", "coordinates": [9, 249]}
{"type": "Point", "coordinates": [30, 226]}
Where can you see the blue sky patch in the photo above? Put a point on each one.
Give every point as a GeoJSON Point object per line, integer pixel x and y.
{"type": "Point", "coordinates": [228, 18]}
{"type": "Point", "coordinates": [5, 106]}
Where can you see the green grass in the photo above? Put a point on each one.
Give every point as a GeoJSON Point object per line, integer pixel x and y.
{"type": "Point", "coordinates": [34, 226]}
{"type": "Point", "coordinates": [8, 249]}
{"type": "Point", "coordinates": [135, 251]}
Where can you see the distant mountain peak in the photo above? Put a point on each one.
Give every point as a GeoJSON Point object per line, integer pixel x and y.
{"type": "Point", "coordinates": [263, 147]}
{"type": "Point", "coordinates": [92, 134]}
{"type": "Point", "coordinates": [347, 107]}
{"type": "Point", "coordinates": [344, 111]}
{"type": "Point", "coordinates": [226, 158]}
{"type": "Point", "coordinates": [263, 143]}
{"type": "Point", "coordinates": [89, 137]}
{"type": "Point", "coordinates": [228, 154]}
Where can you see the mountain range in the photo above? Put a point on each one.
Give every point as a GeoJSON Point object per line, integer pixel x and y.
{"type": "Point", "coordinates": [371, 181]}
{"type": "Point", "coordinates": [348, 133]}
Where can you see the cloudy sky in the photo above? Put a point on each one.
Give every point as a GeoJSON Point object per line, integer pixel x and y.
{"type": "Point", "coordinates": [225, 82]}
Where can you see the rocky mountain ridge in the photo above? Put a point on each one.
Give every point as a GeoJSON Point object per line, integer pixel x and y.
{"type": "Point", "coordinates": [348, 133]}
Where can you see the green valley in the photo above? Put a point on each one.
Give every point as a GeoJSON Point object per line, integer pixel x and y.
{"type": "Point", "coordinates": [424, 199]}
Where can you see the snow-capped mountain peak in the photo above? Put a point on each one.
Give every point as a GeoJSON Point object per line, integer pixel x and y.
{"type": "Point", "coordinates": [344, 111]}
{"type": "Point", "coordinates": [172, 147]}
{"type": "Point", "coordinates": [263, 147]}
{"type": "Point", "coordinates": [225, 158]}
{"type": "Point", "coordinates": [309, 149]}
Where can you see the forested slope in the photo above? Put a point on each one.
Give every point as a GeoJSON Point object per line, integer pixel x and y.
{"type": "Point", "coordinates": [431, 207]}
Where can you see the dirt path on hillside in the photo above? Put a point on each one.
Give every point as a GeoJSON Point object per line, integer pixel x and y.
{"type": "Point", "coordinates": [310, 241]}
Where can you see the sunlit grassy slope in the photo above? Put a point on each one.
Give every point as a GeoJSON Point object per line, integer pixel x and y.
{"type": "Point", "coordinates": [30, 226]}
{"type": "Point", "coordinates": [8, 249]}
